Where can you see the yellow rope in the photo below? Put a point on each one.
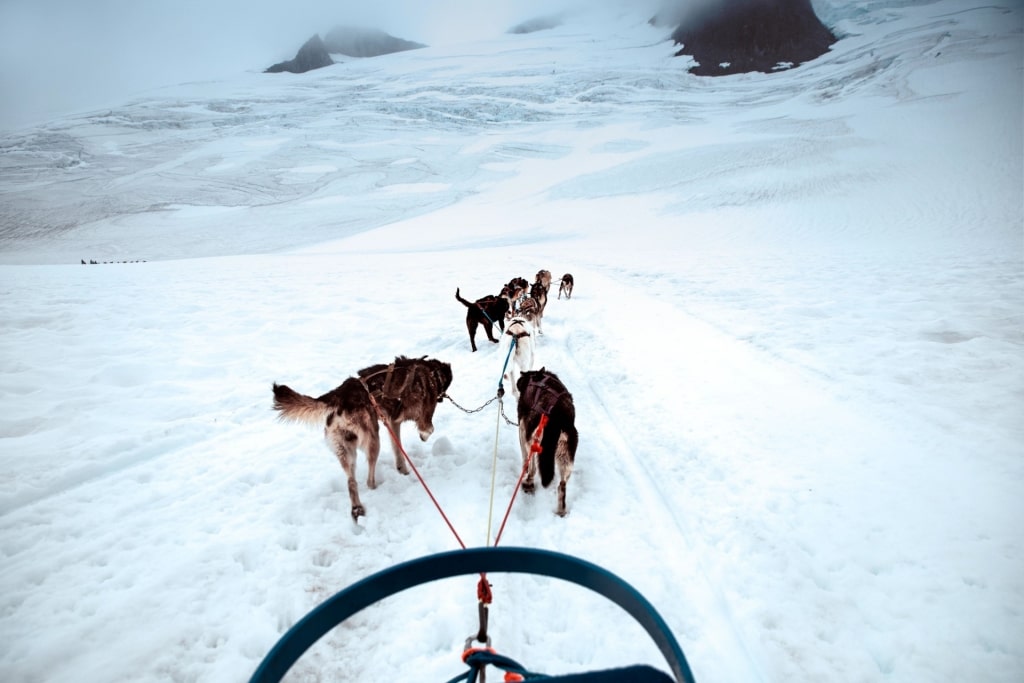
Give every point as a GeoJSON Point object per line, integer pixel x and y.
{"type": "Point", "coordinates": [494, 474]}
{"type": "Point", "coordinates": [497, 428]}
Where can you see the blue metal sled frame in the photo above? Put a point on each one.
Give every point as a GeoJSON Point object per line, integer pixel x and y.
{"type": "Point", "coordinates": [375, 588]}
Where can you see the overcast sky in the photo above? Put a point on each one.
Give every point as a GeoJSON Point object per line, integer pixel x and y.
{"type": "Point", "coordinates": [59, 56]}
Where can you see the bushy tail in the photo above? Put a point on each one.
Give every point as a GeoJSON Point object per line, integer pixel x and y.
{"type": "Point", "coordinates": [298, 407]}
{"type": "Point", "coordinates": [549, 446]}
{"type": "Point", "coordinates": [467, 304]}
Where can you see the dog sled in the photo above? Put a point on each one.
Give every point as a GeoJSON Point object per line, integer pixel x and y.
{"type": "Point", "coordinates": [398, 578]}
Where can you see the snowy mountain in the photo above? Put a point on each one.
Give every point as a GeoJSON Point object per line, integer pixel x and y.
{"type": "Point", "coordinates": [358, 41]}
{"type": "Point", "coordinates": [794, 348]}
{"type": "Point", "coordinates": [312, 55]}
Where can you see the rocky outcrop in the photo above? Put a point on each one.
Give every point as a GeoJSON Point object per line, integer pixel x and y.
{"type": "Point", "coordinates": [353, 41]}
{"type": "Point", "coordinates": [737, 36]}
{"type": "Point", "coordinates": [312, 55]}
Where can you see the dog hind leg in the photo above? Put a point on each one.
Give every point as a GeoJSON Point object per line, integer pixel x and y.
{"type": "Point", "coordinates": [344, 443]}
{"type": "Point", "coordinates": [525, 442]}
{"type": "Point", "coordinates": [372, 448]}
{"type": "Point", "coordinates": [511, 379]}
{"type": "Point", "coordinates": [564, 456]}
{"type": "Point", "coordinates": [489, 329]}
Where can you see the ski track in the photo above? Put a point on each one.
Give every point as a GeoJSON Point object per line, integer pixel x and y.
{"type": "Point", "coordinates": [707, 599]}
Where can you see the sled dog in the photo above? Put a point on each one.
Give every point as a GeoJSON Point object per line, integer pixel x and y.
{"type": "Point", "coordinates": [566, 286]}
{"type": "Point", "coordinates": [520, 359]}
{"type": "Point", "coordinates": [515, 291]}
{"type": "Point", "coordinates": [487, 311]}
{"type": "Point", "coordinates": [544, 279]}
{"type": "Point", "coordinates": [407, 389]}
{"type": "Point", "coordinates": [540, 298]}
{"type": "Point", "coordinates": [542, 393]}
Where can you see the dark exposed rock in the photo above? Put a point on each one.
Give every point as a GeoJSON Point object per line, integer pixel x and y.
{"type": "Point", "coordinates": [737, 36]}
{"type": "Point", "coordinates": [537, 24]}
{"type": "Point", "coordinates": [354, 41]}
{"type": "Point", "coordinates": [312, 55]}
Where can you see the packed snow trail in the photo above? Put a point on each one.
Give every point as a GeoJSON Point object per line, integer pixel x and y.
{"type": "Point", "coordinates": [686, 587]}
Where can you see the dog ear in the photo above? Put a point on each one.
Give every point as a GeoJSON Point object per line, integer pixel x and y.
{"type": "Point", "coordinates": [521, 383]}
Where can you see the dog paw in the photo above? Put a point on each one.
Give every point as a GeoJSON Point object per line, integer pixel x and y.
{"type": "Point", "coordinates": [357, 512]}
{"type": "Point", "coordinates": [529, 487]}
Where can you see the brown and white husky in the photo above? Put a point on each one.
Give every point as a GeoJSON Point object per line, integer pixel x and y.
{"type": "Point", "coordinates": [407, 389]}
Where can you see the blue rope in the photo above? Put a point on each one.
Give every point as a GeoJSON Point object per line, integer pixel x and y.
{"type": "Point", "coordinates": [481, 658]}
{"type": "Point", "coordinates": [501, 389]}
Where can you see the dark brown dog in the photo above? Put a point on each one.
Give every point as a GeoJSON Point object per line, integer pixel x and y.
{"type": "Point", "coordinates": [542, 393]}
{"type": "Point", "coordinates": [408, 389]}
{"type": "Point", "coordinates": [566, 286]}
{"type": "Point", "coordinates": [488, 311]}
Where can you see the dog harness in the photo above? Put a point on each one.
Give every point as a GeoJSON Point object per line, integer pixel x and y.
{"type": "Point", "coordinates": [488, 299]}
{"type": "Point", "coordinates": [548, 391]}
{"type": "Point", "coordinates": [517, 335]}
{"type": "Point", "coordinates": [387, 389]}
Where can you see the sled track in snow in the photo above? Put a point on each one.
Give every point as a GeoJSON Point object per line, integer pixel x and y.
{"type": "Point", "coordinates": [675, 536]}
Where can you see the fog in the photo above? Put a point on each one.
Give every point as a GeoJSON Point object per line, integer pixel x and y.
{"type": "Point", "coordinates": [62, 56]}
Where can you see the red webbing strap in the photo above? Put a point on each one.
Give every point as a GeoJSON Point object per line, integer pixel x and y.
{"type": "Point", "coordinates": [394, 440]}
{"type": "Point", "coordinates": [535, 447]}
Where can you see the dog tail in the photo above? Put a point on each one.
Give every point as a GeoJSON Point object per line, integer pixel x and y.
{"type": "Point", "coordinates": [561, 449]}
{"type": "Point", "coordinates": [298, 407]}
{"type": "Point", "coordinates": [547, 467]}
{"type": "Point", "coordinates": [467, 304]}
{"type": "Point", "coordinates": [549, 444]}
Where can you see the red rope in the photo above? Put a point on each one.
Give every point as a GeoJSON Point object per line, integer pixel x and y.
{"type": "Point", "coordinates": [398, 445]}
{"type": "Point", "coordinates": [483, 589]}
{"type": "Point", "coordinates": [535, 447]}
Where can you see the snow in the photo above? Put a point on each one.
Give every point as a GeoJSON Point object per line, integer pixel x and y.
{"type": "Point", "coordinates": [795, 349]}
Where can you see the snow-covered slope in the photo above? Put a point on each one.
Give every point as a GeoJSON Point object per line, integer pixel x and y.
{"type": "Point", "coordinates": [795, 349]}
